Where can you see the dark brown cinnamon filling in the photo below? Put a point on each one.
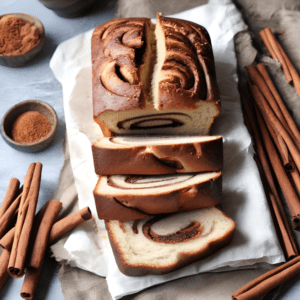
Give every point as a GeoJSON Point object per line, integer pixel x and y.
{"type": "Point", "coordinates": [172, 163]}
{"type": "Point", "coordinates": [139, 122]}
{"type": "Point", "coordinates": [151, 181]}
{"type": "Point", "coordinates": [187, 233]}
{"type": "Point", "coordinates": [135, 226]}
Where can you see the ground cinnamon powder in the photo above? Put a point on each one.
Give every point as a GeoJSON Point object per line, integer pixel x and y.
{"type": "Point", "coordinates": [17, 36]}
{"type": "Point", "coordinates": [30, 127]}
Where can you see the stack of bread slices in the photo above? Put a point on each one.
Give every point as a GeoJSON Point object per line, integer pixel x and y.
{"type": "Point", "coordinates": [155, 98]}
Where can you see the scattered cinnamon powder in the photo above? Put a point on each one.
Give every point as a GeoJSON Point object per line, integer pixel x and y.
{"type": "Point", "coordinates": [30, 127]}
{"type": "Point", "coordinates": [17, 36]}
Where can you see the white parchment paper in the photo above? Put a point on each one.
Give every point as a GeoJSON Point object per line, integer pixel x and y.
{"type": "Point", "coordinates": [243, 197]}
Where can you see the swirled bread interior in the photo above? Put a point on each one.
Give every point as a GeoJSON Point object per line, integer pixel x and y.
{"type": "Point", "coordinates": [157, 155]}
{"type": "Point", "coordinates": [151, 79]}
{"type": "Point", "coordinates": [159, 245]}
{"type": "Point", "coordinates": [115, 195]}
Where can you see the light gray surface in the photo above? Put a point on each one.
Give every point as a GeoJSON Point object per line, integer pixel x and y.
{"type": "Point", "coordinates": [36, 81]}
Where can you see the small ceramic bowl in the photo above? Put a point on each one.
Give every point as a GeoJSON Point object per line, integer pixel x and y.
{"type": "Point", "coordinates": [20, 60]}
{"type": "Point", "coordinates": [22, 107]}
{"type": "Point", "coordinates": [68, 8]}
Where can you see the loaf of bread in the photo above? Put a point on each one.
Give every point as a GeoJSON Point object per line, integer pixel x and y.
{"type": "Point", "coordinates": [126, 197]}
{"type": "Point", "coordinates": [162, 244]}
{"type": "Point", "coordinates": [157, 155]}
{"type": "Point", "coordinates": [151, 79]}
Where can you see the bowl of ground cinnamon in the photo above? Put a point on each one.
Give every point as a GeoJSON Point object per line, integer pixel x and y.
{"type": "Point", "coordinates": [21, 38]}
{"type": "Point", "coordinates": [29, 126]}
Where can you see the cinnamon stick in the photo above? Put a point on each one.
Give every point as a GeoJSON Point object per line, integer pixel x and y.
{"type": "Point", "coordinates": [292, 70]}
{"type": "Point", "coordinates": [272, 45]}
{"type": "Point", "coordinates": [11, 194]}
{"type": "Point", "coordinates": [271, 118]}
{"type": "Point", "coordinates": [59, 228]}
{"type": "Point", "coordinates": [8, 216]}
{"type": "Point", "coordinates": [25, 219]}
{"type": "Point", "coordinates": [68, 223]}
{"type": "Point", "coordinates": [286, 159]}
{"type": "Point", "coordinates": [268, 281]}
{"type": "Point", "coordinates": [278, 53]}
{"type": "Point", "coordinates": [283, 180]}
{"type": "Point", "coordinates": [286, 236]}
{"type": "Point", "coordinates": [3, 266]}
{"type": "Point", "coordinates": [290, 121]}
{"type": "Point", "coordinates": [30, 282]}
{"type": "Point", "coordinates": [7, 240]}
{"type": "Point", "coordinates": [266, 41]}
{"type": "Point", "coordinates": [42, 236]}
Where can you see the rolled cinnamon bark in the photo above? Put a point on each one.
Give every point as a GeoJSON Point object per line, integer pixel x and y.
{"type": "Point", "coordinates": [58, 229]}
{"type": "Point", "coordinates": [42, 236]}
{"type": "Point", "coordinates": [287, 189]}
{"type": "Point", "coordinates": [266, 41]}
{"type": "Point", "coordinates": [290, 121]}
{"type": "Point", "coordinates": [8, 216]}
{"type": "Point", "coordinates": [268, 281]}
{"type": "Point", "coordinates": [4, 258]}
{"type": "Point", "coordinates": [272, 45]}
{"type": "Point", "coordinates": [286, 236]}
{"type": "Point", "coordinates": [25, 219]}
{"type": "Point", "coordinates": [68, 223]}
{"type": "Point", "coordinates": [30, 282]}
{"type": "Point", "coordinates": [287, 160]}
{"type": "Point", "coordinates": [293, 71]}
{"type": "Point", "coordinates": [268, 105]}
{"type": "Point", "coordinates": [271, 119]}
{"type": "Point", "coordinates": [278, 53]}
{"type": "Point", "coordinates": [7, 240]}
{"type": "Point", "coordinates": [61, 227]}
{"type": "Point", "coordinates": [11, 194]}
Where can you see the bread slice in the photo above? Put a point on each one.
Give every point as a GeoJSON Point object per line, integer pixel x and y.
{"type": "Point", "coordinates": [157, 155]}
{"type": "Point", "coordinates": [160, 245]}
{"type": "Point", "coordinates": [181, 99]}
{"type": "Point", "coordinates": [119, 197]}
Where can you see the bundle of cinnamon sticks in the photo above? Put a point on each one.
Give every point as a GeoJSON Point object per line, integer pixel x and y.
{"type": "Point", "coordinates": [24, 236]}
{"type": "Point", "coordinates": [278, 53]}
{"type": "Point", "coordinates": [277, 144]}
{"type": "Point", "coordinates": [279, 135]}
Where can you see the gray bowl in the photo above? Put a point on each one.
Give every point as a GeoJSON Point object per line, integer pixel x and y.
{"type": "Point", "coordinates": [68, 8]}
{"type": "Point", "coordinates": [20, 60]}
{"type": "Point", "coordinates": [15, 111]}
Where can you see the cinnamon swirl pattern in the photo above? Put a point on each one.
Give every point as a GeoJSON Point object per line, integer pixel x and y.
{"type": "Point", "coordinates": [157, 155]}
{"type": "Point", "coordinates": [185, 68]}
{"type": "Point", "coordinates": [153, 79]}
{"type": "Point", "coordinates": [191, 231]}
{"type": "Point", "coordinates": [118, 197]}
{"type": "Point", "coordinates": [161, 244]}
{"type": "Point", "coordinates": [118, 47]}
